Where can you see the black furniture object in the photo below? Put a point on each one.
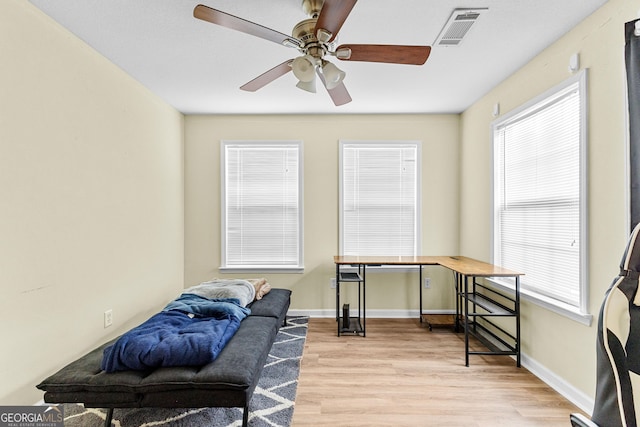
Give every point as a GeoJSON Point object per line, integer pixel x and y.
{"type": "Point", "coordinates": [228, 381]}
{"type": "Point", "coordinates": [349, 324]}
{"type": "Point", "coordinates": [477, 303]}
{"type": "Point", "coordinates": [618, 347]}
{"type": "Point", "coordinates": [477, 307]}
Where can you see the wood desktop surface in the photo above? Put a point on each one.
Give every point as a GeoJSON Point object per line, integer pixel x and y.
{"type": "Point", "coordinates": [460, 264]}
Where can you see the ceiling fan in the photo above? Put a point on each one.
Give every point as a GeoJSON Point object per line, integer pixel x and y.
{"type": "Point", "coordinates": [315, 38]}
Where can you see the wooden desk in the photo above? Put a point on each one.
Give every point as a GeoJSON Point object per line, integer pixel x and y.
{"type": "Point", "coordinates": [474, 300]}
{"type": "Point", "coordinates": [460, 264]}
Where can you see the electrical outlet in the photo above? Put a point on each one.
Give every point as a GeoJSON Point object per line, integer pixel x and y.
{"type": "Point", "coordinates": [108, 318]}
{"type": "Point", "coordinates": [332, 283]}
{"type": "Point", "coordinates": [427, 282]}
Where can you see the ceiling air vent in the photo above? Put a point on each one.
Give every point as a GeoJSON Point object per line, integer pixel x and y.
{"type": "Point", "coordinates": [457, 26]}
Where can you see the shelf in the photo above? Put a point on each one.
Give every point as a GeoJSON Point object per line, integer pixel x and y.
{"type": "Point", "coordinates": [354, 328]}
{"type": "Point", "coordinates": [355, 320]}
{"type": "Point", "coordinates": [350, 277]}
{"type": "Point", "coordinates": [492, 307]}
{"type": "Point", "coordinates": [490, 340]}
{"type": "Point", "coordinates": [484, 304]}
{"type": "Point", "coordinates": [439, 320]}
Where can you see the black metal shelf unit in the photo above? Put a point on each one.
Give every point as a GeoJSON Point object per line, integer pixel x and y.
{"type": "Point", "coordinates": [347, 323]}
{"type": "Point", "coordinates": [478, 306]}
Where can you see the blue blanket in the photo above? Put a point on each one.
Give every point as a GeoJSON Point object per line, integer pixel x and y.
{"type": "Point", "coordinates": [190, 331]}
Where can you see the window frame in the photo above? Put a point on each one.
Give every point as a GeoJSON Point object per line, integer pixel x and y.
{"type": "Point", "coordinates": [578, 313]}
{"type": "Point", "coordinates": [224, 267]}
{"type": "Point", "coordinates": [418, 202]}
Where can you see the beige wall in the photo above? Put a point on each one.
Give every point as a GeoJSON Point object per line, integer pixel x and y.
{"type": "Point", "coordinates": [562, 346]}
{"type": "Point", "coordinates": [321, 135]}
{"type": "Point", "coordinates": [91, 200]}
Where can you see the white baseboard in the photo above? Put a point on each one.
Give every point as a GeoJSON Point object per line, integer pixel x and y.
{"type": "Point", "coordinates": [572, 394]}
{"type": "Point", "coordinates": [557, 383]}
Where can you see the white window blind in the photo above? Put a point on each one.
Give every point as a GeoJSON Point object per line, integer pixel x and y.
{"type": "Point", "coordinates": [261, 206]}
{"type": "Point", "coordinates": [379, 198]}
{"type": "Point", "coordinates": [539, 195]}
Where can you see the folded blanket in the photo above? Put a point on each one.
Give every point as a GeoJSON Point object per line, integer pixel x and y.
{"type": "Point", "coordinates": [190, 331]}
{"type": "Point", "coordinates": [225, 288]}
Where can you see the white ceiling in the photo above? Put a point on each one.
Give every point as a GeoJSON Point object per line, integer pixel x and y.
{"type": "Point", "coordinates": [198, 67]}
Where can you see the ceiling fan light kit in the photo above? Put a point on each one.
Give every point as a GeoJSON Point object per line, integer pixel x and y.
{"type": "Point", "coordinates": [304, 68]}
{"type": "Point", "coordinates": [309, 86]}
{"type": "Point", "coordinates": [332, 74]}
{"type": "Point", "coordinates": [315, 38]}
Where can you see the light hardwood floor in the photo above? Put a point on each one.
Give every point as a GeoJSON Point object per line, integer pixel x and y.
{"type": "Point", "coordinates": [401, 374]}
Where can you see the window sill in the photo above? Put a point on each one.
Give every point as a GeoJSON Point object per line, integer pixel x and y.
{"type": "Point", "coordinates": [557, 307]}
{"type": "Point", "coordinates": [261, 269]}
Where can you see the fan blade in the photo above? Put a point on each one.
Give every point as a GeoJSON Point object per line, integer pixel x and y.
{"type": "Point", "coordinates": [394, 54]}
{"type": "Point", "coordinates": [267, 77]}
{"type": "Point", "coordinates": [339, 94]}
{"type": "Point", "coordinates": [226, 20]}
{"type": "Point", "coordinates": [332, 16]}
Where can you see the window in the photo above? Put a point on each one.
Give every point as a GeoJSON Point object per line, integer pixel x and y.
{"type": "Point", "coordinates": [379, 198]}
{"type": "Point", "coordinates": [539, 197]}
{"type": "Point", "coordinates": [261, 206]}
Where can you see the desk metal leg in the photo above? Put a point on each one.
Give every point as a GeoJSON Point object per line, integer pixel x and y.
{"type": "Point", "coordinates": [466, 321]}
{"type": "Point", "coordinates": [420, 286]}
{"type": "Point", "coordinates": [517, 307]}
{"type": "Point", "coordinates": [338, 297]}
{"type": "Point", "coordinates": [364, 300]}
{"type": "Point", "coordinates": [457, 289]}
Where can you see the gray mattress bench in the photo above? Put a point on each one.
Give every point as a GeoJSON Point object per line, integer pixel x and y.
{"type": "Point", "coordinates": [228, 381]}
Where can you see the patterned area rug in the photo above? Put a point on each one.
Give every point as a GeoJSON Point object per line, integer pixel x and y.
{"type": "Point", "coordinates": [271, 405]}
